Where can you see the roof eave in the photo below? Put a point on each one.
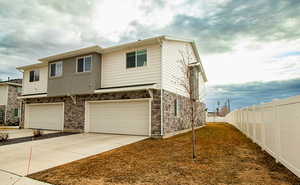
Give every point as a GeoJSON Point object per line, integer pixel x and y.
{"type": "Point", "coordinates": [10, 83]}
{"type": "Point", "coordinates": [125, 89]}
{"type": "Point", "coordinates": [73, 53]}
{"type": "Point", "coordinates": [31, 66]}
{"type": "Point", "coordinates": [199, 60]}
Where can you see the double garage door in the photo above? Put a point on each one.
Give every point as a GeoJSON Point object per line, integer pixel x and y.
{"type": "Point", "coordinates": [115, 117]}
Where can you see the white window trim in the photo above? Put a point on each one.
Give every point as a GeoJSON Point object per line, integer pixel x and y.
{"type": "Point", "coordinates": [84, 64]}
{"type": "Point", "coordinates": [136, 50]}
{"type": "Point", "coordinates": [62, 69]}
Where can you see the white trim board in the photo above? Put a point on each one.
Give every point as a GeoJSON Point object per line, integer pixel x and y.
{"type": "Point", "coordinates": [146, 87]}
{"type": "Point", "coordinates": [32, 96]}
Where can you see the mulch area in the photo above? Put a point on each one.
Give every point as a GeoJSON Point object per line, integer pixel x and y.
{"type": "Point", "coordinates": [224, 156]}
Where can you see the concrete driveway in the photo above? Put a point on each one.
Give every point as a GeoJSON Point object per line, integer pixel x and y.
{"type": "Point", "coordinates": [48, 153]}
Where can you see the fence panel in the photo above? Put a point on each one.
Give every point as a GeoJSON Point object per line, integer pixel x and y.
{"type": "Point", "coordinates": [275, 126]}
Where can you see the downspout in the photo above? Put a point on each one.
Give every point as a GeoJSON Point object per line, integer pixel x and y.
{"type": "Point", "coordinates": [21, 116]}
{"type": "Point", "coordinates": [161, 89]}
{"type": "Point", "coordinates": [20, 113]}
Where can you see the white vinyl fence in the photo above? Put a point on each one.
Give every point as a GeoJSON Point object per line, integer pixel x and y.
{"type": "Point", "coordinates": [275, 126]}
{"type": "Point", "coordinates": [215, 119]}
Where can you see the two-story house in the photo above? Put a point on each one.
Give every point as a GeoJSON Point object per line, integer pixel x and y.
{"type": "Point", "coordinates": [9, 104]}
{"type": "Point", "coordinates": [125, 89]}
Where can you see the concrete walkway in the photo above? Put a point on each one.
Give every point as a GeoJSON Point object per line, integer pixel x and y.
{"type": "Point", "coordinates": [11, 179]}
{"type": "Point", "coordinates": [16, 160]}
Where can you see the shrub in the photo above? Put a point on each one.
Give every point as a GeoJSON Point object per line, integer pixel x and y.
{"type": "Point", "coordinates": [3, 137]}
{"type": "Point", "coordinates": [37, 133]}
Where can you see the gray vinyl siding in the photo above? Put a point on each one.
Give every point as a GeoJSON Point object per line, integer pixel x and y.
{"type": "Point", "coordinates": [71, 82]}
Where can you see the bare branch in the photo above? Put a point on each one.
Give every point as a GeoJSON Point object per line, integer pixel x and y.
{"type": "Point", "coordinates": [186, 82]}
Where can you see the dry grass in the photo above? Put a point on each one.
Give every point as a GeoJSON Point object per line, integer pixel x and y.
{"type": "Point", "coordinates": [225, 156]}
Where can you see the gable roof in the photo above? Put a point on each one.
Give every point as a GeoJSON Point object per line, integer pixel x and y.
{"type": "Point", "coordinates": [100, 50]}
{"type": "Point", "coordinates": [82, 51]}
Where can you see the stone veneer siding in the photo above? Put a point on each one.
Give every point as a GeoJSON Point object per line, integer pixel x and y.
{"type": "Point", "coordinates": [174, 123]}
{"type": "Point", "coordinates": [74, 113]}
{"type": "Point", "coordinates": [12, 104]}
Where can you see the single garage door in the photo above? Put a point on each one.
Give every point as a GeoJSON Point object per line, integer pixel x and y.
{"type": "Point", "coordinates": [44, 116]}
{"type": "Point", "coordinates": [124, 117]}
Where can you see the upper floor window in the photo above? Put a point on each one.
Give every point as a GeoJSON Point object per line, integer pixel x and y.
{"type": "Point", "coordinates": [34, 75]}
{"type": "Point", "coordinates": [56, 69]}
{"type": "Point", "coordinates": [136, 58]}
{"type": "Point", "coordinates": [84, 64]}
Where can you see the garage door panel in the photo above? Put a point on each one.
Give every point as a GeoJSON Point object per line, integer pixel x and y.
{"type": "Point", "coordinates": [45, 116]}
{"type": "Point", "coordinates": [119, 117]}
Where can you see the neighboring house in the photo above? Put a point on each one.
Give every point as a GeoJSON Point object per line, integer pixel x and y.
{"type": "Point", "coordinates": [9, 104]}
{"type": "Point", "coordinates": [125, 89]}
{"type": "Point", "coordinates": [212, 114]}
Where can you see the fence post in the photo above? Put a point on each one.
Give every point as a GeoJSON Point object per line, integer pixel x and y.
{"type": "Point", "coordinates": [248, 122]}
{"type": "Point", "coordinates": [263, 133]}
{"type": "Point", "coordinates": [277, 133]}
{"type": "Point", "coordinates": [254, 124]}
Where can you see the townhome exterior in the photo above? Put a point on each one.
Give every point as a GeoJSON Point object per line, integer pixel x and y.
{"type": "Point", "coordinates": [125, 89]}
{"type": "Point", "coordinates": [9, 104]}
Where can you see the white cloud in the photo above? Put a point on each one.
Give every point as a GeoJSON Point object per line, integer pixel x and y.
{"type": "Point", "coordinates": [253, 61]}
{"type": "Point", "coordinates": [36, 29]}
{"type": "Point", "coordinates": [113, 18]}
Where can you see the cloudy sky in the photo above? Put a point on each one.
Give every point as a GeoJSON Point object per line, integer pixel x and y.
{"type": "Point", "coordinates": [250, 48]}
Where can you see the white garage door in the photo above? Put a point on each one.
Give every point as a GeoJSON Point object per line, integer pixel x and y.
{"type": "Point", "coordinates": [124, 117]}
{"type": "Point", "coordinates": [44, 116]}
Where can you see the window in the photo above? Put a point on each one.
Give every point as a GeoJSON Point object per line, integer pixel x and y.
{"type": "Point", "coordinates": [19, 89]}
{"type": "Point", "coordinates": [130, 60]}
{"type": "Point", "coordinates": [34, 75]}
{"type": "Point", "coordinates": [16, 112]}
{"type": "Point", "coordinates": [177, 107]}
{"type": "Point", "coordinates": [1, 115]}
{"type": "Point", "coordinates": [136, 59]}
{"type": "Point", "coordinates": [84, 64]}
{"type": "Point", "coordinates": [56, 69]}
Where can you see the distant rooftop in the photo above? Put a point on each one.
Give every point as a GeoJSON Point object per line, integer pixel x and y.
{"type": "Point", "coordinates": [16, 81]}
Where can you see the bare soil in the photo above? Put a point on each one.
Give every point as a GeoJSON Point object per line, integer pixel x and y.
{"type": "Point", "coordinates": [224, 156]}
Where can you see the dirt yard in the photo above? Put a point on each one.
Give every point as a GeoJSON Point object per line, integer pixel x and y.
{"type": "Point", "coordinates": [225, 156]}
